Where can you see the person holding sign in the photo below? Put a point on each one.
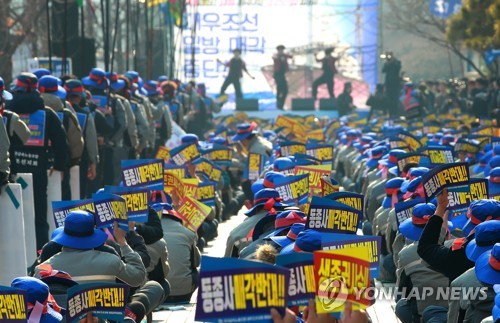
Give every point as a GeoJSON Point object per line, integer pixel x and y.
{"type": "Point", "coordinates": [184, 255]}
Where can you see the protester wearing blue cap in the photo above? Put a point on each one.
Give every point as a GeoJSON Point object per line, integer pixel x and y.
{"type": "Point", "coordinates": [41, 306]}
{"type": "Point", "coordinates": [283, 165]}
{"type": "Point", "coordinates": [290, 237]}
{"type": "Point", "coordinates": [393, 192]}
{"type": "Point", "coordinates": [392, 158]}
{"type": "Point", "coordinates": [266, 202]}
{"type": "Point", "coordinates": [7, 96]}
{"type": "Point", "coordinates": [493, 163]}
{"type": "Point", "coordinates": [115, 82]}
{"type": "Point", "coordinates": [40, 72]}
{"type": "Point", "coordinates": [96, 79]}
{"type": "Point", "coordinates": [487, 234]}
{"type": "Point", "coordinates": [480, 211]}
{"type": "Point", "coordinates": [480, 168]}
{"type": "Point", "coordinates": [307, 241]}
{"type": "Point", "coordinates": [483, 276]}
{"type": "Point", "coordinates": [265, 229]}
{"type": "Point", "coordinates": [375, 154]}
{"type": "Point", "coordinates": [244, 131]}
{"type": "Point", "coordinates": [33, 157]}
{"type": "Point", "coordinates": [494, 182]}
{"type": "Point", "coordinates": [412, 228]}
{"type": "Point", "coordinates": [257, 186]}
{"type": "Point", "coordinates": [270, 177]}
{"type": "Point", "coordinates": [151, 88]}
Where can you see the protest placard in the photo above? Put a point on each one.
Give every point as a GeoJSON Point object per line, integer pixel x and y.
{"type": "Point", "coordinates": [61, 209]}
{"type": "Point", "coordinates": [143, 172]}
{"type": "Point", "coordinates": [254, 166]}
{"type": "Point", "coordinates": [136, 201]}
{"type": "Point", "coordinates": [459, 202]}
{"type": "Point", "coordinates": [453, 176]}
{"type": "Point", "coordinates": [322, 152]}
{"type": "Point", "coordinates": [110, 208]}
{"type": "Point", "coordinates": [205, 193]}
{"type": "Point", "coordinates": [193, 212]}
{"type": "Point", "coordinates": [163, 153]}
{"type": "Point", "coordinates": [404, 209]}
{"type": "Point", "coordinates": [354, 200]}
{"type": "Point", "coordinates": [290, 148]}
{"type": "Point", "coordinates": [315, 173]}
{"type": "Point", "coordinates": [411, 141]}
{"type": "Point", "coordinates": [410, 158]}
{"type": "Point", "coordinates": [240, 290]}
{"type": "Point", "coordinates": [13, 305]}
{"type": "Point", "coordinates": [341, 241]}
{"type": "Point", "coordinates": [104, 300]}
{"type": "Point", "coordinates": [440, 155]}
{"type": "Point", "coordinates": [331, 216]}
{"type": "Point", "coordinates": [220, 155]}
{"type": "Point", "coordinates": [329, 185]}
{"type": "Point", "coordinates": [301, 287]}
{"type": "Point", "coordinates": [464, 146]}
{"type": "Point", "coordinates": [293, 188]}
{"type": "Point", "coordinates": [341, 275]}
{"type": "Point", "coordinates": [183, 154]}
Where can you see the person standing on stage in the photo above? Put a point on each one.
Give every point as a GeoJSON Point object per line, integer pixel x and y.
{"type": "Point", "coordinates": [236, 68]}
{"type": "Point", "coordinates": [280, 60]}
{"type": "Point", "coordinates": [329, 70]}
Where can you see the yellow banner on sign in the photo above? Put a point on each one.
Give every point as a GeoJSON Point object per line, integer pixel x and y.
{"type": "Point", "coordinates": [315, 173]}
{"type": "Point", "coordinates": [163, 153]}
{"type": "Point", "coordinates": [193, 212]}
{"type": "Point", "coordinates": [190, 185]}
{"type": "Point", "coordinates": [342, 275]}
{"type": "Point", "coordinates": [317, 135]}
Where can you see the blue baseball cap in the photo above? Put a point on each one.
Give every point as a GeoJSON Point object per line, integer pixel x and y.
{"type": "Point", "coordinates": [494, 182]}
{"type": "Point", "coordinates": [290, 237]}
{"type": "Point", "coordinates": [412, 174]}
{"type": "Point", "coordinates": [392, 186]}
{"type": "Point", "coordinates": [285, 220]}
{"type": "Point", "coordinates": [96, 79]}
{"type": "Point", "coordinates": [487, 234]}
{"type": "Point", "coordinates": [481, 211]}
{"type": "Point", "coordinates": [376, 153]}
{"type": "Point", "coordinates": [494, 162]}
{"type": "Point", "coordinates": [40, 72]}
{"type": "Point", "coordinates": [37, 291]}
{"type": "Point", "coordinates": [282, 164]}
{"type": "Point", "coordinates": [392, 159]}
{"type": "Point", "coordinates": [243, 131]}
{"type": "Point", "coordinates": [151, 88]}
{"type": "Point", "coordinates": [79, 232]}
{"type": "Point", "coordinates": [162, 78]}
{"type": "Point", "coordinates": [6, 94]}
{"type": "Point", "coordinates": [483, 163]}
{"type": "Point", "coordinates": [50, 84]}
{"type": "Point", "coordinates": [308, 241]}
{"type": "Point", "coordinates": [115, 82]}
{"type": "Point", "coordinates": [258, 185]}
{"type": "Point", "coordinates": [189, 138]}
{"type": "Point", "coordinates": [270, 177]}
{"type": "Point", "coordinates": [413, 227]}
{"type": "Point", "coordinates": [268, 198]}
{"type": "Point", "coordinates": [487, 267]}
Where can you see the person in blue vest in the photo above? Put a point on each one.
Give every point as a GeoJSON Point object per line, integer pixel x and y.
{"type": "Point", "coordinates": [32, 157]}
{"type": "Point", "coordinates": [88, 166]}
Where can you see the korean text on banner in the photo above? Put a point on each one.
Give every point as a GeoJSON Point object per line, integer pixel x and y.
{"type": "Point", "coordinates": [13, 305]}
{"type": "Point", "coordinates": [453, 176]}
{"type": "Point", "coordinates": [143, 172]}
{"type": "Point", "coordinates": [62, 208]}
{"type": "Point", "coordinates": [302, 286]}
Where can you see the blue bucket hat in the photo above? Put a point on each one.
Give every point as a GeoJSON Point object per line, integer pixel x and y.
{"type": "Point", "coordinates": [270, 177]}
{"type": "Point", "coordinates": [78, 232]}
{"type": "Point", "coordinates": [290, 237]}
{"type": "Point", "coordinates": [115, 82]}
{"type": "Point", "coordinates": [6, 94]}
{"type": "Point", "coordinates": [494, 182]}
{"type": "Point", "coordinates": [258, 185]}
{"type": "Point", "coordinates": [133, 76]}
{"type": "Point", "coordinates": [50, 84]}
{"type": "Point", "coordinates": [481, 211]}
{"type": "Point", "coordinates": [392, 189]}
{"type": "Point", "coordinates": [412, 174]}
{"type": "Point", "coordinates": [487, 267]}
{"type": "Point", "coordinates": [392, 159]}
{"type": "Point", "coordinates": [96, 79]}
{"type": "Point", "coordinates": [412, 228]}
{"type": "Point", "coordinates": [243, 131]}
{"type": "Point", "coordinates": [487, 235]}
{"type": "Point", "coordinates": [282, 164]}
{"type": "Point", "coordinates": [37, 292]}
{"type": "Point", "coordinates": [162, 78]}
{"type": "Point", "coordinates": [268, 198]}
{"type": "Point", "coordinates": [269, 135]}
{"type": "Point", "coordinates": [285, 220]}
{"type": "Point", "coordinates": [307, 241]}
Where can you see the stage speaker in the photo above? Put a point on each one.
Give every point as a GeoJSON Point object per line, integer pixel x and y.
{"type": "Point", "coordinates": [247, 104]}
{"type": "Point", "coordinates": [303, 104]}
{"type": "Point", "coordinates": [328, 104]}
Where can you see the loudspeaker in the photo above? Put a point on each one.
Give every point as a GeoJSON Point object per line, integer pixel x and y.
{"type": "Point", "coordinates": [303, 104]}
{"type": "Point", "coordinates": [328, 104]}
{"type": "Point", "coordinates": [247, 104]}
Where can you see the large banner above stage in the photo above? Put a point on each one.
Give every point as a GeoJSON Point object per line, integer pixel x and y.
{"type": "Point", "coordinates": [215, 27]}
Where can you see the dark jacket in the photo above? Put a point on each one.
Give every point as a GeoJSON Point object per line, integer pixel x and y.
{"type": "Point", "coordinates": [151, 231]}
{"type": "Point", "coordinates": [27, 104]}
{"type": "Point", "coordinates": [451, 263]}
